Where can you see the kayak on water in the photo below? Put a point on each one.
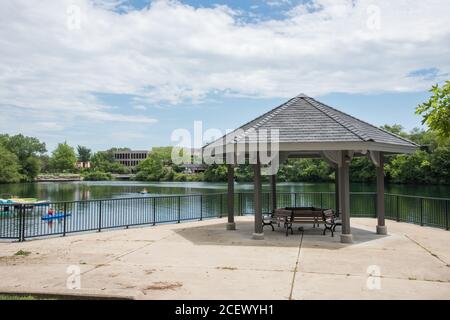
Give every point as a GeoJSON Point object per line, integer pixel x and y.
{"type": "Point", "coordinates": [59, 215]}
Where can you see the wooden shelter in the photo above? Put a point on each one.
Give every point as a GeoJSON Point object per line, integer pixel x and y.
{"type": "Point", "coordinates": [308, 128]}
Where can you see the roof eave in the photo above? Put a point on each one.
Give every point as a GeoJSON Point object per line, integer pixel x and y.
{"type": "Point", "coordinates": [331, 145]}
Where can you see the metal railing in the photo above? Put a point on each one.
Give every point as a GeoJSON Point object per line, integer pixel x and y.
{"type": "Point", "coordinates": [20, 222]}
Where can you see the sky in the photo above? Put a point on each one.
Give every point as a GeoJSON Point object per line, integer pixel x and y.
{"type": "Point", "coordinates": [127, 73]}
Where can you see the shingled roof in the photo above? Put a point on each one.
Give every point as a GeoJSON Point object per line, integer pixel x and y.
{"type": "Point", "coordinates": [307, 124]}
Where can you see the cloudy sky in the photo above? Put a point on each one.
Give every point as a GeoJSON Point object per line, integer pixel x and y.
{"type": "Point", "coordinates": [106, 73]}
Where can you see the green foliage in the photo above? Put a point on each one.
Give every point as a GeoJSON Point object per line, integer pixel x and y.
{"type": "Point", "coordinates": [216, 173]}
{"type": "Point", "coordinates": [97, 176]}
{"type": "Point", "coordinates": [188, 177]}
{"type": "Point", "coordinates": [312, 170]}
{"type": "Point", "coordinates": [31, 168]}
{"type": "Point", "coordinates": [415, 168]}
{"type": "Point", "coordinates": [9, 166]}
{"type": "Point", "coordinates": [27, 150]}
{"type": "Point", "coordinates": [84, 154]}
{"type": "Point", "coordinates": [243, 173]}
{"type": "Point", "coordinates": [23, 147]}
{"type": "Point", "coordinates": [45, 161]}
{"type": "Point", "coordinates": [428, 139]}
{"type": "Point", "coordinates": [436, 111]}
{"type": "Point", "coordinates": [395, 129]}
{"type": "Point", "coordinates": [152, 168]}
{"type": "Point", "coordinates": [105, 162]}
{"type": "Point", "coordinates": [63, 158]}
{"type": "Point", "coordinates": [22, 253]}
{"type": "Point", "coordinates": [362, 170]}
{"type": "Point", "coordinates": [440, 164]}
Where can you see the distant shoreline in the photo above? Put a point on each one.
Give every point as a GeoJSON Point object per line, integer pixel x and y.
{"type": "Point", "coordinates": [59, 178]}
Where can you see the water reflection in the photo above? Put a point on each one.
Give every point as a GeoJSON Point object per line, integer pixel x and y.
{"type": "Point", "coordinates": [72, 191]}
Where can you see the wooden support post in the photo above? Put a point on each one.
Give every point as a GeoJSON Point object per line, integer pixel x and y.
{"type": "Point", "coordinates": [258, 235]}
{"type": "Point", "coordinates": [336, 189]}
{"type": "Point", "coordinates": [231, 225]}
{"type": "Point", "coordinates": [344, 198]}
{"type": "Point", "coordinates": [381, 227]}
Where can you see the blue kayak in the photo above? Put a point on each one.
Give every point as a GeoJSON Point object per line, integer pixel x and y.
{"type": "Point", "coordinates": [59, 215]}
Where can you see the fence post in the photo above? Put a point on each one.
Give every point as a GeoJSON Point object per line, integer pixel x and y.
{"type": "Point", "coordinates": [220, 207]}
{"type": "Point", "coordinates": [295, 199]}
{"type": "Point", "coordinates": [64, 221]}
{"type": "Point", "coordinates": [179, 209]}
{"type": "Point", "coordinates": [446, 215]}
{"type": "Point", "coordinates": [21, 223]}
{"type": "Point", "coordinates": [154, 210]}
{"type": "Point", "coordinates": [421, 211]}
{"type": "Point", "coordinates": [100, 216]}
{"type": "Point", "coordinates": [240, 203]}
{"type": "Point", "coordinates": [398, 209]}
{"type": "Point", "coordinates": [201, 207]}
{"type": "Point", "coordinates": [321, 200]}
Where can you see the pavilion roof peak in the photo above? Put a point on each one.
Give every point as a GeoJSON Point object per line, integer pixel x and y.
{"type": "Point", "coordinates": [304, 120]}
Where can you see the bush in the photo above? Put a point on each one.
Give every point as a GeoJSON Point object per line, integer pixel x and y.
{"type": "Point", "coordinates": [97, 176]}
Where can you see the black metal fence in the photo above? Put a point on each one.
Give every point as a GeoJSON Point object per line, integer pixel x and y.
{"type": "Point", "coordinates": [20, 222]}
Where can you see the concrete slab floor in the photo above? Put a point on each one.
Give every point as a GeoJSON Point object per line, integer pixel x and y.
{"type": "Point", "coordinates": [202, 260]}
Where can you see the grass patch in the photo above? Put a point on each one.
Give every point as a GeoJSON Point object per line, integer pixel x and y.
{"type": "Point", "coordinates": [22, 297]}
{"type": "Point", "coordinates": [22, 253]}
{"type": "Point", "coordinates": [161, 285]}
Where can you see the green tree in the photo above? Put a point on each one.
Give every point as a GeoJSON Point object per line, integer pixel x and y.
{"type": "Point", "coordinates": [9, 166]}
{"type": "Point", "coordinates": [151, 169]}
{"type": "Point", "coordinates": [63, 158]}
{"type": "Point", "coordinates": [395, 129]}
{"type": "Point", "coordinates": [28, 150]}
{"type": "Point", "coordinates": [216, 173]}
{"type": "Point", "coordinates": [84, 154]}
{"type": "Point", "coordinates": [45, 161]}
{"type": "Point", "coordinates": [362, 170]}
{"type": "Point", "coordinates": [104, 161]}
{"type": "Point", "coordinates": [440, 164]}
{"type": "Point", "coordinates": [31, 168]}
{"type": "Point", "coordinates": [414, 168]}
{"type": "Point", "coordinates": [24, 147]}
{"type": "Point", "coordinates": [436, 111]}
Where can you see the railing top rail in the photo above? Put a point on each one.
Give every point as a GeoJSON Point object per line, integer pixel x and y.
{"type": "Point", "coordinates": [419, 197]}
{"type": "Point", "coordinates": [133, 198]}
{"type": "Point", "coordinates": [220, 193]}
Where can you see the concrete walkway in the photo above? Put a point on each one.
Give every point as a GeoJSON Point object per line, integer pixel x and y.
{"type": "Point", "coordinates": [200, 260]}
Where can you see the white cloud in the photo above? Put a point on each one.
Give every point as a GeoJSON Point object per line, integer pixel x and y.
{"type": "Point", "coordinates": [140, 107]}
{"type": "Point", "coordinates": [277, 3]}
{"type": "Point", "coordinates": [173, 52]}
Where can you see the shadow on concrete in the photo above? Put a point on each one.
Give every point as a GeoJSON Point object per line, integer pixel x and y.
{"type": "Point", "coordinates": [215, 234]}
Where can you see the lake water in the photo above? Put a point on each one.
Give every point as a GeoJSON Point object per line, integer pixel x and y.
{"type": "Point", "coordinates": [145, 210]}
{"type": "Point", "coordinates": [72, 191]}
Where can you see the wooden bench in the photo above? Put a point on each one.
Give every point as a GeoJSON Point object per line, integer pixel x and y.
{"type": "Point", "coordinates": [280, 216]}
{"type": "Point", "coordinates": [331, 221]}
{"type": "Point", "coordinates": [300, 215]}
